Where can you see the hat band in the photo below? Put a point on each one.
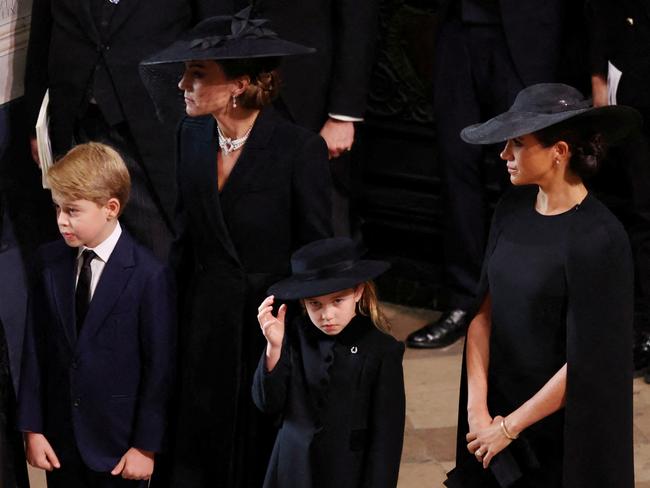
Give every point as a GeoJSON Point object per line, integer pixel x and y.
{"type": "Point", "coordinates": [326, 271]}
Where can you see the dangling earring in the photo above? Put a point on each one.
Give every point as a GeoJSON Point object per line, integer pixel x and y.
{"type": "Point", "coordinates": [234, 101]}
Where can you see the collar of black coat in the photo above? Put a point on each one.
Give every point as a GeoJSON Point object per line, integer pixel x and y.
{"type": "Point", "coordinates": [349, 336]}
{"type": "Point", "coordinates": [259, 136]}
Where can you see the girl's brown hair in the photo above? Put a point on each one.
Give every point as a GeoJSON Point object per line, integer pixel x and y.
{"type": "Point", "coordinates": [368, 306]}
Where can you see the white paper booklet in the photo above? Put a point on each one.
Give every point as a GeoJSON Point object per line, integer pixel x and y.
{"type": "Point", "coordinates": [43, 139]}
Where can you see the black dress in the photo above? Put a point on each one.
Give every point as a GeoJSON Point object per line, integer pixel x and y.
{"type": "Point", "coordinates": [341, 399]}
{"type": "Point", "coordinates": [234, 245]}
{"type": "Point", "coordinates": [561, 291]}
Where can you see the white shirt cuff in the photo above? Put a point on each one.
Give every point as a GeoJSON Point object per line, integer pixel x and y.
{"type": "Point", "coordinates": [345, 118]}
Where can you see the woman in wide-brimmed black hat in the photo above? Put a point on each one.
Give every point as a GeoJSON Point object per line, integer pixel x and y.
{"type": "Point", "coordinates": [546, 397]}
{"type": "Point", "coordinates": [252, 189]}
{"type": "Point", "coordinates": [333, 375]}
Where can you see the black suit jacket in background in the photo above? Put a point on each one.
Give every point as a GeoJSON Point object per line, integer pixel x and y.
{"type": "Point", "coordinates": [620, 33]}
{"type": "Point", "coordinates": [66, 48]}
{"type": "Point", "coordinates": [534, 32]}
{"type": "Point", "coordinates": [335, 78]}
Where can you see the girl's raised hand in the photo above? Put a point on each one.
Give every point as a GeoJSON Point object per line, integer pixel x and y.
{"type": "Point", "coordinates": [272, 327]}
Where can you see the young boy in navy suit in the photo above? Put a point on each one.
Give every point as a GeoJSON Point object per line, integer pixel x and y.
{"type": "Point", "coordinates": [100, 344]}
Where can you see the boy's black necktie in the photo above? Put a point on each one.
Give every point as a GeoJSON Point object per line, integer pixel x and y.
{"type": "Point", "coordinates": [82, 295]}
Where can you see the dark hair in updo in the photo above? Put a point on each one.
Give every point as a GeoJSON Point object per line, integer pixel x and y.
{"type": "Point", "coordinates": [265, 80]}
{"type": "Point", "coordinates": [587, 146]}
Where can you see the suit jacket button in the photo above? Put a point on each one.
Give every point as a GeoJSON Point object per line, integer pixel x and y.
{"type": "Point", "coordinates": [75, 365]}
{"type": "Point", "coordinates": [76, 402]}
{"type": "Point", "coordinates": [328, 358]}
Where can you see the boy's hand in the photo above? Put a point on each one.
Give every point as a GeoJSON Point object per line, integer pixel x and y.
{"type": "Point", "coordinates": [272, 327]}
{"type": "Point", "coordinates": [136, 464]}
{"type": "Point", "coordinates": [39, 452]}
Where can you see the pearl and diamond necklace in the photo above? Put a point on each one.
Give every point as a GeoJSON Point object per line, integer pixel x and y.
{"type": "Point", "coordinates": [228, 144]}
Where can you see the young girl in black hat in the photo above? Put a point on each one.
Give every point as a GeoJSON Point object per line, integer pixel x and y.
{"type": "Point", "coordinates": [334, 376]}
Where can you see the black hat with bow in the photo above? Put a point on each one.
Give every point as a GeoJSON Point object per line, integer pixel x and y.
{"type": "Point", "coordinates": [228, 37]}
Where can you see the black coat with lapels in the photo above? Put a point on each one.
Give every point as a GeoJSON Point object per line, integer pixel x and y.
{"type": "Point", "coordinates": [235, 244]}
{"type": "Point", "coordinates": [341, 399]}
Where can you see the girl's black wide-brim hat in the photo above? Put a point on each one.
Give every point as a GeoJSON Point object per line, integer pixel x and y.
{"type": "Point", "coordinates": [228, 37]}
{"type": "Point", "coordinates": [545, 104]}
{"type": "Point", "coordinates": [326, 266]}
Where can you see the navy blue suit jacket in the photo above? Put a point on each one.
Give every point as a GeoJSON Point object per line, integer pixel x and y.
{"type": "Point", "coordinates": [108, 389]}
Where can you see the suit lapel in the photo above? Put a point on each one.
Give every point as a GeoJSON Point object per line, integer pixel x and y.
{"type": "Point", "coordinates": [62, 284]}
{"type": "Point", "coordinates": [122, 12]}
{"type": "Point", "coordinates": [116, 274]}
{"type": "Point", "coordinates": [82, 8]}
{"type": "Point", "coordinates": [205, 167]}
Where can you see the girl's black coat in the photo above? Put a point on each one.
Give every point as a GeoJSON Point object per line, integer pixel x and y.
{"type": "Point", "coordinates": [233, 246]}
{"type": "Point", "coordinates": [341, 399]}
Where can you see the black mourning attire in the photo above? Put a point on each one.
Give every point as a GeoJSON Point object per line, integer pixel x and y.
{"type": "Point", "coordinates": [334, 80]}
{"type": "Point", "coordinates": [561, 292]}
{"type": "Point", "coordinates": [235, 244]}
{"type": "Point", "coordinates": [87, 54]}
{"type": "Point", "coordinates": [620, 34]}
{"type": "Point", "coordinates": [341, 400]}
{"type": "Point", "coordinates": [487, 51]}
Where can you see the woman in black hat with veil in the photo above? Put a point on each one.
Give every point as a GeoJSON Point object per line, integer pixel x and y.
{"type": "Point", "coordinates": [546, 389]}
{"type": "Point", "coordinates": [252, 189]}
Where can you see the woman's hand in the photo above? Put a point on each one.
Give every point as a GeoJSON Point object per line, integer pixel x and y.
{"type": "Point", "coordinates": [487, 442]}
{"type": "Point", "coordinates": [272, 327]}
{"type": "Point", "coordinates": [479, 420]}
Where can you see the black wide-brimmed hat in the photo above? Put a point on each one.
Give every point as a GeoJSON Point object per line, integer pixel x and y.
{"type": "Point", "coordinates": [326, 266]}
{"type": "Point", "coordinates": [228, 37]}
{"type": "Point", "coordinates": [545, 104]}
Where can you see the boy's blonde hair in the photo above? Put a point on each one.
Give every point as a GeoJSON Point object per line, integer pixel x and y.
{"type": "Point", "coordinates": [91, 171]}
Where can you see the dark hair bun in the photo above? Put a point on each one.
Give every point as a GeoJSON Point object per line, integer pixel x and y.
{"type": "Point", "coordinates": [587, 156]}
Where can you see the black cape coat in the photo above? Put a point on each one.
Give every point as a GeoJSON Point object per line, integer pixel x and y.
{"type": "Point", "coordinates": [341, 399]}
{"type": "Point", "coordinates": [234, 245]}
{"type": "Point", "coordinates": [597, 418]}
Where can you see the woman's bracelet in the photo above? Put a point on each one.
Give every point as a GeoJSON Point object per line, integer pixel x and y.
{"type": "Point", "coordinates": [504, 429]}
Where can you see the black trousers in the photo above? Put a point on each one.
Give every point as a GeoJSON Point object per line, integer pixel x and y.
{"type": "Point", "coordinates": [74, 473]}
{"type": "Point", "coordinates": [475, 79]}
{"type": "Point", "coordinates": [142, 216]}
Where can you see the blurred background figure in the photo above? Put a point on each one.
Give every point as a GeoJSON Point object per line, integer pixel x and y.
{"type": "Point", "coordinates": [487, 51]}
{"type": "Point", "coordinates": [327, 92]}
{"type": "Point", "coordinates": [620, 66]}
{"type": "Point", "coordinates": [87, 54]}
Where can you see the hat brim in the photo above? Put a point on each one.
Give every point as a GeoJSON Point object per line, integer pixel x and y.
{"type": "Point", "coordinates": [296, 287]}
{"type": "Point", "coordinates": [181, 51]}
{"type": "Point", "coordinates": [614, 122]}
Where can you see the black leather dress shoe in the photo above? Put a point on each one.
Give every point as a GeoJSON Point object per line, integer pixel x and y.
{"type": "Point", "coordinates": [445, 331]}
{"type": "Point", "coordinates": [641, 350]}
